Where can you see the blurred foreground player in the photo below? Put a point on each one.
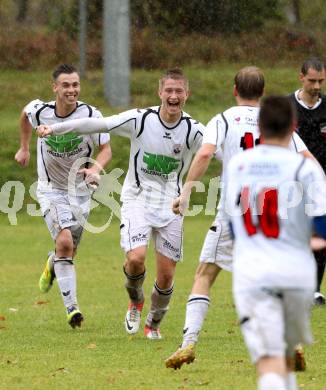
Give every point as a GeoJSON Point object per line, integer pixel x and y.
{"type": "Point", "coordinates": [274, 272]}
{"type": "Point", "coordinates": [234, 131]}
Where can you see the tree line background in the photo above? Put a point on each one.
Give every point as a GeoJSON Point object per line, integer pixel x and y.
{"type": "Point", "coordinates": [37, 34]}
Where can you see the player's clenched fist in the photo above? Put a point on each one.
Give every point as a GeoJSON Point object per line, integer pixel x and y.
{"type": "Point", "coordinates": [175, 206]}
{"type": "Point", "coordinates": [43, 130]}
{"type": "Point", "coordinates": [180, 205]}
{"type": "Point", "coordinates": [22, 157]}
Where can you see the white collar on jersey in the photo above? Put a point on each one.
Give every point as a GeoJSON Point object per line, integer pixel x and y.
{"type": "Point", "coordinates": [303, 104]}
{"type": "Point", "coordinates": [170, 125]}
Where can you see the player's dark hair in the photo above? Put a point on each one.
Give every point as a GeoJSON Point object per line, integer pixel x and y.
{"type": "Point", "coordinates": [63, 68]}
{"type": "Point", "coordinates": [276, 117]}
{"type": "Point", "coordinates": [250, 83]}
{"type": "Point", "coordinates": [313, 63]}
{"type": "Point", "coordinates": [175, 74]}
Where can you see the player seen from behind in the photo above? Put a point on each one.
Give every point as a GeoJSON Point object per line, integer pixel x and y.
{"type": "Point", "coordinates": [274, 271]}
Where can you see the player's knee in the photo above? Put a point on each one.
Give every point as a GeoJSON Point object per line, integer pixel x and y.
{"type": "Point", "coordinates": [164, 280]}
{"type": "Point", "coordinates": [206, 273]}
{"type": "Point", "coordinates": [135, 262]}
{"type": "Point", "coordinates": [64, 244]}
{"type": "Point", "coordinates": [64, 248]}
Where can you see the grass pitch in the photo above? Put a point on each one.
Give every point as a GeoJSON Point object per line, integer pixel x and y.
{"type": "Point", "coordinates": [38, 350]}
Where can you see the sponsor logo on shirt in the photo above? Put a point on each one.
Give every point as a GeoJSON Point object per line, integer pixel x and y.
{"type": "Point", "coordinates": [176, 148]}
{"type": "Point", "coordinates": [323, 129]}
{"type": "Point", "coordinates": [159, 164]}
{"type": "Point", "coordinates": [67, 143]}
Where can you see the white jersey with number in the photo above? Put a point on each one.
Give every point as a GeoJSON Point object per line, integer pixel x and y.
{"type": "Point", "coordinates": [57, 154]}
{"type": "Point", "coordinates": [236, 130]}
{"type": "Point", "coordinates": [271, 196]}
{"type": "Point", "coordinates": [160, 154]}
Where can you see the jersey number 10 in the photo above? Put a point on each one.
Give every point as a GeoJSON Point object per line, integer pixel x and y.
{"type": "Point", "coordinates": [267, 207]}
{"type": "Point", "coordinates": [248, 141]}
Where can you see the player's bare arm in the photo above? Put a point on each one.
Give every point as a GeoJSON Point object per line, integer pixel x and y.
{"type": "Point", "coordinates": [197, 169]}
{"type": "Point", "coordinates": [23, 155]}
{"type": "Point", "coordinates": [317, 243]}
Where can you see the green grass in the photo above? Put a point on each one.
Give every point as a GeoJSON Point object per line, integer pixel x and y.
{"type": "Point", "coordinates": [38, 350]}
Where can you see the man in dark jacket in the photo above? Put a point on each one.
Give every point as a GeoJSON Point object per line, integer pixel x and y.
{"type": "Point", "coordinates": [311, 111]}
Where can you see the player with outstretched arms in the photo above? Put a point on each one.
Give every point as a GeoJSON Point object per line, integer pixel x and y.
{"type": "Point", "coordinates": [163, 141]}
{"type": "Point", "coordinates": [273, 197]}
{"type": "Point", "coordinates": [63, 194]}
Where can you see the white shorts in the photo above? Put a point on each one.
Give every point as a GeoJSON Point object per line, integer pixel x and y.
{"type": "Point", "coordinates": [218, 245]}
{"type": "Point", "coordinates": [274, 321]}
{"type": "Point", "coordinates": [139, 223]}
{"type": "Point", "coordinates": [62, 211]}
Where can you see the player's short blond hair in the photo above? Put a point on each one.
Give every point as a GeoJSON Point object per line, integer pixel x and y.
{"type": "Point", "coordinates": [250, 82]}
{"type": "Point", "coordinates": [174, 74]}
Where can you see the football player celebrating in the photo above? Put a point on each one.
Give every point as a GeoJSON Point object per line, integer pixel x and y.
{"type": "Point", "coordinates": [274, 272]}
{"type": "Point", "coordinates": [163, 141]}
{"type": "Point", "coordinates": [55, 159]}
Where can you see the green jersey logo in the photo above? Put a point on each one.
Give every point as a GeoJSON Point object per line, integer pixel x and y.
{"type": "Point", "coordinates": [64, 143]}
{"type": "Point", "coordinates": [159, 163]}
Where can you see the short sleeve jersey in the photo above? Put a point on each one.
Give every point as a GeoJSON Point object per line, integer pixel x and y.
{"type": "Point", "coordinates": [312, 126]}
{"type": "Point", "coordinates": [271, 196]}
{"type": "Point", "coordinates": [236, 130]}
{"type": "Point", "coordinates": [56, 155]}
{"type": "Point", "coordinates": [160, 154]}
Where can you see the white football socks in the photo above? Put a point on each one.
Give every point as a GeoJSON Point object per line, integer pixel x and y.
{"type": "Point", "coordinates": [66, 277]}
{"type": "Point", "coordinates": [291, 381]}
{"type": "Point", "coordinates": [271, 381]}
{"type": "Point", "coordinates": [196, 311]}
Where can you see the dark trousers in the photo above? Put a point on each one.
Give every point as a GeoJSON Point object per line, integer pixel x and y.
{"type": "Point", "coordinates": [320, 257]}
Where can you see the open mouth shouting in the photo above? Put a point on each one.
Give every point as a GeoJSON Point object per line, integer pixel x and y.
{"type": "Point", "coordinates": [173, 104]}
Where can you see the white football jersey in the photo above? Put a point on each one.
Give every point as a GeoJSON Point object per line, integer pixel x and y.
{"type": "Point", "coordinates": [160, 154]}
{"type": "Point", "coordinates": [236, 130]}
{"type": "Point", "coordinates": [57, 154]}
{"type": "Point", "coordinates": [271, 196]}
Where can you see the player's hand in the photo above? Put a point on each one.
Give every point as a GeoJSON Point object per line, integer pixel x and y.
{"type": "Point", "coordinates": [180, 205]}
{"type": "Point", "coordinates": [22, 157]}
{"type": "Point", "coordinates": [317, 243]}
{"type": "Point", "coordinates": [92, 177]}
{"type": "Point", "coordinates": [43, 131]}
